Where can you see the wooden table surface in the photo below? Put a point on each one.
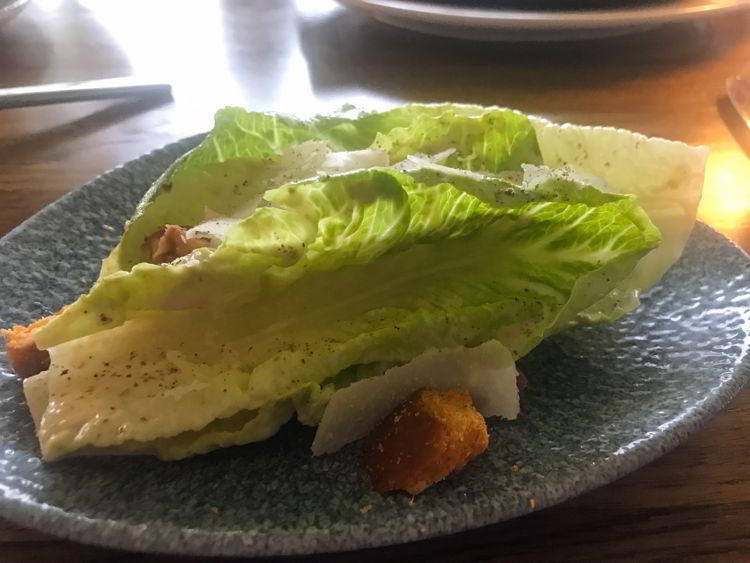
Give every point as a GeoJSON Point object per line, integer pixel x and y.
{"type": "Point", "coordinates": [311, 56]}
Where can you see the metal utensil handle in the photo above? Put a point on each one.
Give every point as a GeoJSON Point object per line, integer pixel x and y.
{"type": "Point", "coordinates": [80, 91]}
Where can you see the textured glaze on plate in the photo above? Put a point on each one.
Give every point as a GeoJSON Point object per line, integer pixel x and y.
{"type": "Point", "coordinates": [601, 402]}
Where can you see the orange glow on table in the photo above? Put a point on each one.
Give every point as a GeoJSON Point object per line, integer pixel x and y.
{"type": "Point", "coordinates": [726, 194]}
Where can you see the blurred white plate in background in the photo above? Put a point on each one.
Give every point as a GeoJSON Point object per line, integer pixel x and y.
{"type": "Point", "coordinates": [529, 25]}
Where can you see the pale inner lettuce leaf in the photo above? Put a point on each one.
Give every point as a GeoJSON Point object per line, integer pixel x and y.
{"type": "Point", "coordinates": [666, 176]}
{"type": "Point", "coordinates": [136, 397]}
{"type": "Point", "coordinates": [360, 268]}
{"type": "Point", "coordinates": [487, 372]}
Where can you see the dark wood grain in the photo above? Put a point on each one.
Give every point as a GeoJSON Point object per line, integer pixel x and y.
{"type": "Point", "coordinates": [693, 503]}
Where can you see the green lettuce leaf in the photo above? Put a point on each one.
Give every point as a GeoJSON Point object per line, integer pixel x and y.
{"type": "Point", "coordinates": [325, 225]}
{"type": "Point", "coordinates": [356, 269]}
{"type": "Point", "coordinates": [494, 141]}
{"type": "Point", "coordinates": [248, 153]}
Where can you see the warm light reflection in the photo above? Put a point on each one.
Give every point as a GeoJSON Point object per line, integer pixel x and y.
{"type": "Point", "coordinates": [177, 42]}
{"type": "Point", "coordinates": [296, 92]}
{"type": "Point", "coordinates": [48, 5]}
{"type": "Point", "coordinates": [211, 64]}
{"type": "Point", "coordinates": [317, 8]}
{"type": "Point", "coordinates": [726, 195]}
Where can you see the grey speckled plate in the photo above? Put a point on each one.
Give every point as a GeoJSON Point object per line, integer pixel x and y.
{"type": "Point", "coordinates": [601, 402]}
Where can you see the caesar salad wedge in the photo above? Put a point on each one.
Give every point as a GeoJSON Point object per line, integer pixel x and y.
{"type": "Point", "coordinates": [326, 268]}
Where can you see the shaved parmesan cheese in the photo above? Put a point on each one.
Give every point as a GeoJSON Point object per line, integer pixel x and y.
{"type": "Point", "coordinates": [214, 230]}
{"type": "Point", "coordinates": [336, 162]}
{"type": "Point", "coordinates": [487, 372]}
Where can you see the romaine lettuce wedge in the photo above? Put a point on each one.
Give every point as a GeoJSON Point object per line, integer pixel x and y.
{"type": "Point", "coordinates": [322, 279]}
{"type": "Point", "coordinates": [365, 267]}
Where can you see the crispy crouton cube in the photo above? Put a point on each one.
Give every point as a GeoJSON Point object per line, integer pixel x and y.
{"type": "Point", "coordinates": [429, 436]}
{"type": "Point", "coordinates": [169, 243]}
{"type": "Point", "coordinates": [25, 358]}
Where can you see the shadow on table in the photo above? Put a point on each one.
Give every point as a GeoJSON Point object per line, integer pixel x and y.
{"type": "Point", "coordinates": [23, 40]}
{"type": "Point", "coordinates": [109, 115]}
{"type": "Point", "coordinates": [64, 44]}
{"type": "Point", "coordinates": [348, 50]}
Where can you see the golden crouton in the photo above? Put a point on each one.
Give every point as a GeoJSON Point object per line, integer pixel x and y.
{"type": "Point", "coordinates": [432, 434]}
{"type": "Point", "coordinates": [25, 358]}
{"type": "Point", "coordinates": [169, 243]}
